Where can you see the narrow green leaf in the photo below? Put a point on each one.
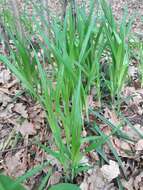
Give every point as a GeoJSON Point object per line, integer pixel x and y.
{"type": "Point", "coordinates": [65, 186]}
{"type": "Point", "coordinates": [6, 183]}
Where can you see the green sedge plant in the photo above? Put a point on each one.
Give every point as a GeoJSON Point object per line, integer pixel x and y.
{"type": "Point", "coordinates": [6, 183]}
{"type": "Point", "coordinates": [64, 114]}
{"type": "Point", "coordinates": [118, 46]}
{"type": "Point", "coordinates": [74, 53]}
{"type": "Point", "coordinates": [76, 46]}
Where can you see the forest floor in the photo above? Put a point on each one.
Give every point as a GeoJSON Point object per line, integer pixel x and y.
{"type": "Point", "coordinates": [22, 121]}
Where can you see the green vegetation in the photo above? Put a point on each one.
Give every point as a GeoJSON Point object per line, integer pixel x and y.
{"type": "Point", "coordinates": [73, 49]}
{"type": "Point", "coordinates": [6, 183]}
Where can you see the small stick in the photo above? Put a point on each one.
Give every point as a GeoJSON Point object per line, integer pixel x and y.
{"type": "Point", "coordinates": [13, 149]}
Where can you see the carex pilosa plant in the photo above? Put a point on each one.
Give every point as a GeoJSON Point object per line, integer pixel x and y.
{"type": "Point", "coordinates": [73, 50]}
{"type": "Point", "coordinates": [76, 46]}
{"type": "Point", "coordinates": [117, 42]}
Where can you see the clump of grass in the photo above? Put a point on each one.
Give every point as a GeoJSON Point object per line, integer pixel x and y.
{"type": "Point", "coordinates": [74, 52]}
{"type": "Point", "coordinates": [118, 47]}
{"type": "Point", "coordinates": [77, 47]}
{"type": "Point", "coordinates": [64, 113]}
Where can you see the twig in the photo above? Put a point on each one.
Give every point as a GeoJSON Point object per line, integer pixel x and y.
{"type": "Point", "coordinates": [20, 147]}
{"type": "Point", "coordinates": [13, 149]}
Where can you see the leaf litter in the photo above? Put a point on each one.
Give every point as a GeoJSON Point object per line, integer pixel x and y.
{"type": "Point", "coordinates": [30, 120]}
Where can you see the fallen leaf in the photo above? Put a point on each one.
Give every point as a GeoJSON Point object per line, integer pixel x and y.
{"type": "Point", "coordinates": [37, 115]}
{"type": "Point", "coordinates": [128, 184]}
{"type": "Point", "coordinates": [4, 76]}
{"type": "Point", "coordinates": [53, 162]}
{"type": "Point", "coordinates": [110, 171]}
{"type": "Point", "coordinates": [54, 178]}
{"type": "Point", "coordinates": [15, 167]}
{"type": "Point", "coordinates": [111, 115]}
{"type": "Point", "coordinates": [132, 133]}
{"type": "Point", "coordinates": [93, 180]}
{"type": "Point", "coordinates": [92, 103]}
{"type": "Point", "coordinates": [26, 128]}
{"type": "Point", "coordinates": [138, 182]}
{"type": "Point", "coordinates": [139, 145]}
{"type": "Point", "coordinates": [4, 100]}
{"type": "Point", "coordinates": [21, 109]}
{"type": "Point", "coordinates": [132, 71]}
{"type": "Point", "coordinates": [123, 148]}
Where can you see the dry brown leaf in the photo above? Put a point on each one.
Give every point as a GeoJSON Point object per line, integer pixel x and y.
{"type": "Point", "coordinates": [92, 103]}
{"type": "Point", "coordinates": [139, 145]}
{"type": "Point", "coordinates": [4, 76]}
{"type": "Point", "coordinates": [54, 178]}
{"type": "Point", "coordinates": [138, 182]}
{"type": "Point", "coordinates": [6, 112]}
{"type": "Point", "coordinates": [132, 133]}
{"type": "Point", "coordinates": [36, 115]}
{"type": "Point", "coordinates": [26, 128]}
{"type": "Point", "coordinates": [125, 146]}
{"type": "Point", "coordinates": [128, 184]}
{"type": "Point", "coordinates": [128, 91]}
{"type": "Point", "coordinates": [21, 109]}
{"type": "Point", "coordinates": [94, 180]}
{"type": "Point", "coordinates": [15, 167]}
{"type": "Point", "coordinates": [121, 147]}
{"type": "Point", "coordinates": [4, 100]}
{"type": "Point", "coordinates": [110, 171]}
{"type": "Point", "coordinates": [132, 71]}
{"type": "Point", "coordinates": [136, 99]}
{"type": "Point", "coordinates": [111, 115]}
{"type": "Point", "coordinates": [53, 162]}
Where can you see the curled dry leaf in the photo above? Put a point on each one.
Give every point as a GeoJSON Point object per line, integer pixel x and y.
{"type": "Point", "coordinates": [26, 128]}
{"type": "Point", "coordinates": [111, 115]}
{"type": "Point", "coordinates": [4, 76]}
{"type": "Point", "coordinates": [132, 71]}
{"type": "Point", "coordinates": [94, 180]}
{"type": "Point", "coordinates": [128, 184]}
{"type": "Point", "coordinates": [36, 115]}
{"type": "Point", "coordinates": [138, 182]}
{"type": "Point", "coordinates": [14, 164]}
{"type": "Point", "coordinates": [53, 162]}
{"type": "Point", "coordinates": [92, 103]}
{"type": "Point", "coordinates": [123, 148]}
{"type": "Point", "coordinates": [128, 91]}
{"type": "Point", "coordinates": [139, 145]}
{"type": "Point", "coordinates": [4, 100]}
{"type": "Point", "coordinates": [7, 112]}
{"type": "Point", "coordinates": [132, 133]}
{"type": "Point", "coordinates": [21, 109]}
{"type": "Point", "coordinates": [110, 171]}
{"type": "Point", "coordinates": [136, 99]}
{"type": "Point", "coordinates": [54, 178]}
{"type": "Point", "coordinates": [84, 160]}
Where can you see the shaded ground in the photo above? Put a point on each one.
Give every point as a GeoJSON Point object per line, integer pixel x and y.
{"type": "Point", "coordinates": [135, 9]}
